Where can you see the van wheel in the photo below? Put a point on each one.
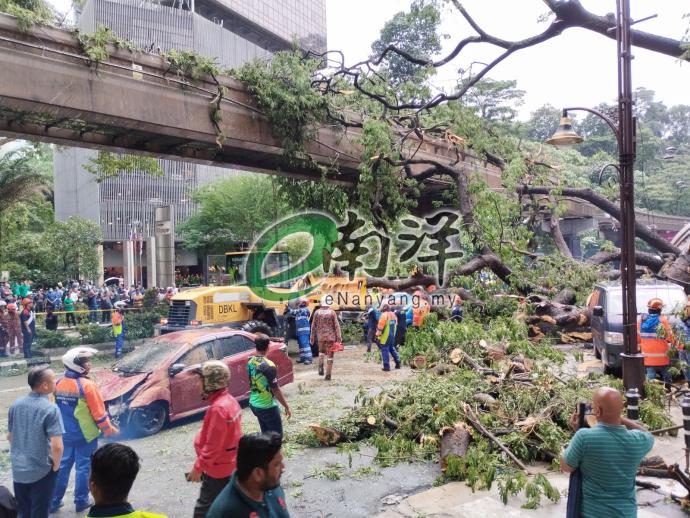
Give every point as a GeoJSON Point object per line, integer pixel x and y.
{"type": "Point", "coordinates": [148, 420]}
{"type": "Point", "coordinates": [257, 326]}
{"type": "Point", "coordinates": [603, 356]}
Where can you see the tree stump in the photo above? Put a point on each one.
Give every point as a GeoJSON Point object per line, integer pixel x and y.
{"type": "Point", "coordinates": [418, 362]}
{"type": "Point", "coordinates": [454, 441]}
{"type": "Point", "coordinates": [327, 436]}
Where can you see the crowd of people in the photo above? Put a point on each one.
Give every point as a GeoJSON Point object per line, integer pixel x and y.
{"type": "Point", "coordinates": [20, 303]}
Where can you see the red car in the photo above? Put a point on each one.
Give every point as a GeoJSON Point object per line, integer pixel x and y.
{"type": "Point", "coordinates": [158, 382]}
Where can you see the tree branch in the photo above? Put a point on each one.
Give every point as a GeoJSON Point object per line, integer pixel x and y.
{"type": "Point", "coordinates": [607, 206]}
{"type": "Point", "coordinates": [641, 258]}
{"type": "Point", "coordinates": [556, 233]}
{"type": "Point", "coordinates": [576, 15]}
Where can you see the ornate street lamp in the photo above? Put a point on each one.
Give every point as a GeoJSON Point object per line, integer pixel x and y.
{"type": "Point", "coordinates": [624, 130]}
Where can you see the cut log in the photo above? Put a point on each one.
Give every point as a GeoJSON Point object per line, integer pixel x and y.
{"type": "Point", "coordinates": [418, 362]}
{"type": "Point", "coordinates": [651, 472]}
{"type": "Point", "coordinates": [466, 358]}
{"type": "Point", "coordinates": [371, 420]}
{"type": "Point", "coordinates": [442, 369]}
{"type": "Point", "coordinates": [456, 356]}
{"type": "Point", "coordinates": [653, 462]}
{"type": "Point", "coordinates": [327, 436]}
{"type": "Point", "coordinates": [454, 441]}
{"type": "Point", "coordinates": [485, 400]}
{"type": "Point", "coordinates": [646, 485]}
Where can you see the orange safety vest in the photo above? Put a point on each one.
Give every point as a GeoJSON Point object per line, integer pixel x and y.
{"type": "Point", "coordinates": [654, 348]}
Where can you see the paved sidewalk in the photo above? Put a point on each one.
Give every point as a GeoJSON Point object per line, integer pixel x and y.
{"type": "Point", "coordinates": [458, 501]}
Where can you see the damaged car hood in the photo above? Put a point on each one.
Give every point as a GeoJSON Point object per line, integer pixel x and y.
{"type": "Point", "coordinates": [114, 386]}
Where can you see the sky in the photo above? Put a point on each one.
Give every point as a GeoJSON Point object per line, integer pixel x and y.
{"type": "Point", "coordinates": [577, 68]}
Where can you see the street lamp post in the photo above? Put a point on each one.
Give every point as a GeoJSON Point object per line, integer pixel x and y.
{"type": "Point", "coordinates": [633, 361]}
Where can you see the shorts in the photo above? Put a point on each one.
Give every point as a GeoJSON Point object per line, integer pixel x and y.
{"type": "Point", "coordinates": [325, 347]}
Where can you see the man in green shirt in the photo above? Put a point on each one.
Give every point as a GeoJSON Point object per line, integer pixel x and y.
{"type": "Point", "coordinates": [254, 490]}
{"type": "Point", "coordinates": [608, 456]}
{"type": "Point", "coordinates": [264, 389]}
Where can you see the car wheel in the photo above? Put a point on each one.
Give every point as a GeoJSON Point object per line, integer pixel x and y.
{"type": "Point", "coordinates": [148, 420]}
{"type": "Point", "coordinates": [257, 326]}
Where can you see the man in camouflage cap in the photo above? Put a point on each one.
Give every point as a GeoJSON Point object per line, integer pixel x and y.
{"type": "Point", "coordinates": [216, 443]}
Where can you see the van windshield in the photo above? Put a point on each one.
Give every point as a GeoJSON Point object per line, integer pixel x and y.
{"type": "Point", "coordinates": [674, 299]}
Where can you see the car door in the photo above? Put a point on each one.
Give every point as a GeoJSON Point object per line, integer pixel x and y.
{"type": "Point", "coordinates": [235, 350]}
{"type": "Point", "coordinates": [278, 355]}
{"type": "Point", "coordinates": [186, 387]}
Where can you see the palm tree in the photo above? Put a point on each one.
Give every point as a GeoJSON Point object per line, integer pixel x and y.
{"type": "Point", "coordinates": [24, 172]}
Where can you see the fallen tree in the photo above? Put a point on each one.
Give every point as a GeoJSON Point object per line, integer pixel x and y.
{"type": "Point", "coordinates": [482, 420]}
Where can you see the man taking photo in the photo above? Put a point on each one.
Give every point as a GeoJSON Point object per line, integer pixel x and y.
{"type": "Point", "coordinates": [608, 457]}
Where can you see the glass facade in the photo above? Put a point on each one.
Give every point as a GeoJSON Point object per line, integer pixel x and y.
{"type": "Point", "coordinates": [233, 32]}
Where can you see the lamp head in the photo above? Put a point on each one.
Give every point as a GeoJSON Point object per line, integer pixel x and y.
{"type": "Point", "coordinates": [565, 135]}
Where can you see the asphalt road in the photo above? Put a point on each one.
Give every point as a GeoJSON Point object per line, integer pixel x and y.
{"type": "Point", "coordinates": [318, 482]}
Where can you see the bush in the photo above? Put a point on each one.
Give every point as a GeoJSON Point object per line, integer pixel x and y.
{"type": "Point", "coordinates": [53, 339]}
{"type": "Point", "coordinates": [150, 300]}
{"type": "Point", "coordinates": [94, 334]}
{"type": "Point", "coordinates": [140, 325]}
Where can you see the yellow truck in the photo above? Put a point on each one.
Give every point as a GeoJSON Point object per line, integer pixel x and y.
{"type": "Point", "coordinates": [237, 306]}
{"type": "Point", "coordinates": [234, 305]}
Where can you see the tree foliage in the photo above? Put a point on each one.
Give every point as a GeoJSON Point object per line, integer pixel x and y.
{"type": "Point", "coordinates": [415, 32]}
{"type": "Point", "coordinates": [231, 211]}
{"type": "Point", "coordinates": [110, 165]}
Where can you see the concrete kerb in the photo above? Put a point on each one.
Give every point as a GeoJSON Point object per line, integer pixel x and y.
{"type": "Point", "coordinates": [43, 356]}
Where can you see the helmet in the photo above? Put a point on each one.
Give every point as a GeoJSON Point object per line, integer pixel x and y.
{"type": "Point", "coordinates": [3, 303]}
{"type": "Point", "coordinates": [119, 304]}
{"type": "Point", "coordinates": [216, 375]}
{"type": "Point", "coordinates": [655, 303]}
{"type": "Point", "coordinates": [26, 301]}
{"type": "Point", "coordinates": [75, 358]}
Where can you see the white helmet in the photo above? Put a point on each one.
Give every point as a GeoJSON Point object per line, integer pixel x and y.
{"type": "Point", "coordinates": [2, 303]}
{"type": "Point", "coordinates": [75, 357]}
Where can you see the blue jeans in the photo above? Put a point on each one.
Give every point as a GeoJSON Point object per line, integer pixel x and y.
{"type": "Point", "coordinates": [304, 347]}
{"type": "Point", "coordinates": [661, 370]}
{"type": "Point", "coordinates": [33, 500]}
{"type": "Point", "coordinates": [386, 349]}
{"type": "Point", "coordinates": [78, 453]}
{"type": "Point", "coordinates": [119, 343]}
{"type": "Point", "coordinates": [269, 419]}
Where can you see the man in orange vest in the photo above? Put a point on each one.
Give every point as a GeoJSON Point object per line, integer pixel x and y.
{"type": "Point", "coordinates": [655, 338]}
{"type": "Point", "coordinates": [385, 335]}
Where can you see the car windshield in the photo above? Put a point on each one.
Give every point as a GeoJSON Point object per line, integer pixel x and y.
{"type": "Point", "coordinates": [673, 296]}
{"type": "Point", "coordinates": [146, 357]}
